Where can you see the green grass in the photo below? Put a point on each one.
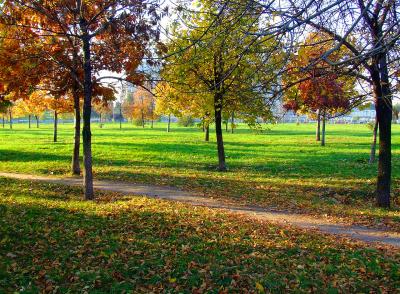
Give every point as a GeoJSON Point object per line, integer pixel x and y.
{"type": "Point", "coordinates": [51, 241]}
{"type": "Point", "coordinates": [283, 167]}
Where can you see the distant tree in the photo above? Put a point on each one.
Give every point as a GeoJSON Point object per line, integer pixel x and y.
{"type": "Point", "coordinates": [165, 102]}
{"type": "Point", "coordinates": [36, 104]}
{"type": "Point", "coordinates": [59, 105]}
{"type": "Point", "coordinates": [5, 109]}
{"type": "Point", "coordinates": [143, 106]}
{"type": "Point", "coordinates": [315, 88]}
{"type": "Point", "coordinates": [396, 112]}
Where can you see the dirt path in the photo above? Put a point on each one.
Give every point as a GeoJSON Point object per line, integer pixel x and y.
{"type": "Point", "coordinates": [303, 221]}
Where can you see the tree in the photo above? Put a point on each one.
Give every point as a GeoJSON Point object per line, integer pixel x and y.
{"type": "Point", "coordinates": [211, 61]}
{"type": "Point", "coordinates": [315, 88]}
{"type": "Point", "coordinates": [143, 106]}
{"type": "Point", "coordinates": [165, 103]}
{"type": "Point", "coordinates": [105, 35]}
{"type": "Point", "coordinates": [370, 31]}
{"type": "Point", "coordinates": [59, 105]}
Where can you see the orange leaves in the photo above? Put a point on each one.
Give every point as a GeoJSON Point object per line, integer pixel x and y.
{"type": "Point", "coordinates": [313, 83]}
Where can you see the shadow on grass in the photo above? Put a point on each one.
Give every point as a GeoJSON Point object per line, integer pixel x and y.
{"type": "Point", "coordinates": [158, 246]}
{"type": "Point", "coordinates": [24, 156]}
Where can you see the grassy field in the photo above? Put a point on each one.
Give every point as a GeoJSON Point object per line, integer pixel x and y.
{"type": "Point", "coordinates": [281, 167]}
{"type": "Point", "coordinates": [51, 241]}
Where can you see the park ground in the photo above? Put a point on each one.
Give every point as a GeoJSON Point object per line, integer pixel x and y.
{"type": "Point", "coordinates": [281, 168]}
{"type": "Point", "coordinates": [51, 240]}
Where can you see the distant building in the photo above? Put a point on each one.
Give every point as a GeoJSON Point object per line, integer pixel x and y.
{"type": "Point", "coordinates": [355, 116]}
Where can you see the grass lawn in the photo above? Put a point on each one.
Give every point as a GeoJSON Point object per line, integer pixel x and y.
{"type": "Point", "coordinates": [51, 241]}
{"type": "Point", "coordinates": [282, 167]}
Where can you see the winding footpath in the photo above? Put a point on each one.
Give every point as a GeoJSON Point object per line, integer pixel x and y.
{"type": "Point", "coordinates": [365, 234]}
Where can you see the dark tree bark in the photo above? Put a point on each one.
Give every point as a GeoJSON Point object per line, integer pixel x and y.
{"type": "Point", "coordinates": [318, 130]}
{"type": "Point", "coordinates": [383, 104]}
{"type": "Point", "coordinates": [87, 111]}
{"type": "Point", "coordinates": [218, 131]}
{"type": "Point", "coordinates": [29, 121]}
{"type": "Point", "coordinates": [232, 122]}
{"type": "Point", "coordinates": [120, 116]}
{"type": "Point", "coordinates": [3, 121]}
{"type": "Point", "coordinates": [207, 132]}
{"type": "Point", "coordinates": [323, 129]}
{"type": "Point", "coordinates": [100, 119]}
{"type": "Point", "coordinates": [10, 115]}
{"type": "Point", "coordinates": [226, 126]}
{"type": "Point", "coordinates": [55, 126]}
{"type": "Point", "coordinates": [37, 121]}
{"type": "Point", "coordinates": [169, 123]}
{"type": "Point", "coordinates": [76, 169]}
{"type": "Point", "coordinates": [373, 144]}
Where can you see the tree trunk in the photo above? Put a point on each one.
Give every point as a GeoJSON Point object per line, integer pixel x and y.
{"type": "Point", "coordinates": [373, 145]}
{"type": "Point", "coordinates": [226, 126]}
{"type": "Point", "coordinates": [3, 121]}
{"type": "Point", "coordinates": [100, 119]}
{"type": "Point", "coordinates": [207, 128]}
{"type": "Point", "coordinates": [232, 121]}
{"type": "Point", "coordinates": [37, 121]}
{"type": "Point", "coordinates": [29, 121]}
{"type": "Point", "coordinates": [120, 116]}
{"type": "Point", "coordinates": [152, 123]}
{"type": "Point", "coordinates": [87, 111]}
{"type": "Point", "coordinates": [76, 169]}
{"type": "Point", "coordinates": [218, 131]}
{"type": "Point", "coordinates": [10, 114]}
{"type": "Point", "coordinates": [169, 123]}
{"type": "Point", "coordinates": [318, 130]}
{"type": "Point", "coordinates": [384, 115]}
{"type": "Point", "coordinates": [55, 126]}
{"type": "Point", "coordinates": [323, 130]}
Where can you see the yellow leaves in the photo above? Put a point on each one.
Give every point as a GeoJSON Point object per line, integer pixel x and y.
{"type": "Point", "coordinates": [172, 280]}
{"type": "Point", "coordinates": [260, 288]}
{"type": "Point", "coordinates": [80, 233]}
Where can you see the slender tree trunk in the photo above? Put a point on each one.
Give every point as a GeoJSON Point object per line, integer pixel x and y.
{"type": "Point", "coordinates": [3, 121]}
{"type": "Point", "coordinates": [323, 130]}
{"type": "Point", "coordinates": [218, 131]}
{"type": "Point", "coordinates": [10, 114]}
{"type": "Point", "coordinates": [226, 126]}
{"type": "Point", "coordinates": [152, 123]}
{"type": "Point", "coordinates": [207, 139]}
{"type": "Point", "coordinates": [373, 145]}
{"type": "Point", "coordinates": [76, 169]}
{"type": "Point", "coordinates": [37, 121]}
{"type": "Point", "coordinates": [232, 122]}
{"type": "Point", "coordinates": [384, 115]}
{"type": "Point", "coordinates": [100, 118]}
{"type": "Point", "coordinates": [169, 123]}
{"type": "Point", "coordinates": [29, 121]}
{"type": "Point", "coordinates": [87, 111]}
{"type": "Point", "coordinates": [55, 126]}
{"type": "Point", "coordinates": [120, 116]}
{"type": "Point", "coordinates": [318, 130]}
